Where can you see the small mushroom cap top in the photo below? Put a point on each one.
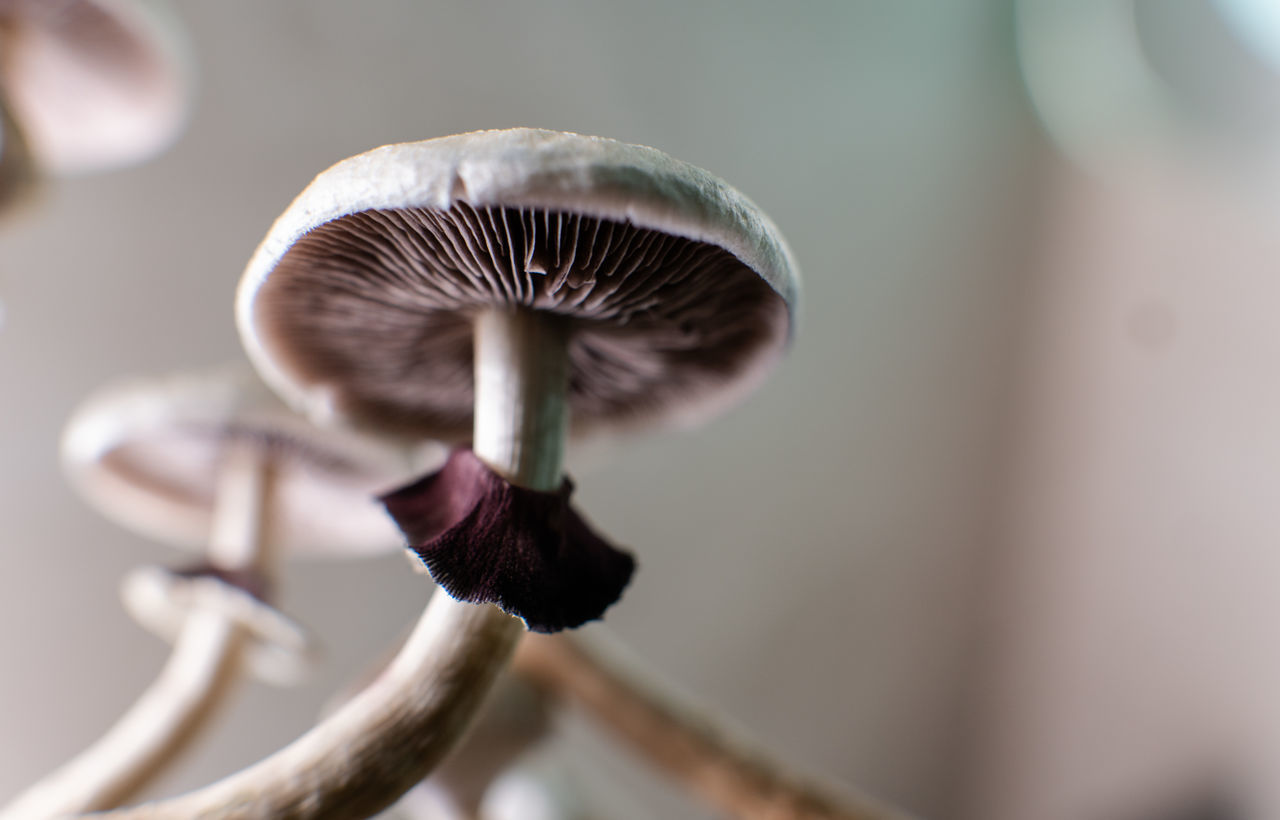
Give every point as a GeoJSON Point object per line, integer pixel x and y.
{"type": "Point", "coordinates": [677, 291]}
{"type": "Point", "coordinates": [280, 651]}
{"type": "Point", "coordinates": [94, 83]}
{"type": "Point", "coordinates": [147, 454]}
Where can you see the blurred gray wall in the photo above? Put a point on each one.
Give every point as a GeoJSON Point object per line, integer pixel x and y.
{"type": "Point", "coordinates": [810, 563]}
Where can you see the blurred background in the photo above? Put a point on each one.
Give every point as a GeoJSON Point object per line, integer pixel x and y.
{"type": "Point", "coordinates": [997, 541]}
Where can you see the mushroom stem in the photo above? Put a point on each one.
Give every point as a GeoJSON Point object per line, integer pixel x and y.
{"type": "Point", "coordinates": [680, 740]}
{"type": "Point", "coordinates": [238, 535]}
{"type": "Point", "coordinates": [142, 743]}
{"type": "Point", "coordinates": [387, 738]}
{"type": "Point", "coordinates": [522, 376]}
{"type": "Point", "coordinates": [194, 682]}
{"type": "Point", "coordinates": [390, 736]}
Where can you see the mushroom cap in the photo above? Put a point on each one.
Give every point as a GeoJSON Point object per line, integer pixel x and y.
{"type": "Point", "coordinates": [146, 454]}
{"type": "Point", "coordinates": [94, 83]}
{"type": "Point", "coordinates": [280, 651]}
{"type": "Point", "coordinates": [679, 291]}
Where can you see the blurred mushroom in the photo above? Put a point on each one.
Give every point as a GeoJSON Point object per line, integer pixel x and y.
{"type": "Point", "coordinates": [149, 455]}
{"type": "Point", "coordinates": [93, 84]}
{"type": "Point", "coordinates": [502, 281]}
{"type": "Point", "coordinates": [684, 742]}
{"type": "Point", "coordinates": [277, 649]}
{"type": "Point", "coordinates": [214, 462]}
{"type": "Point", "coordinates": [86, 85]}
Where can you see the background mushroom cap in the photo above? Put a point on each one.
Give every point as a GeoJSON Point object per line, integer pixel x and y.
{"type": "Point", "coordinates": [358, 302]}
{"type": "Point", "coordinates": [280, 651]}
{"type": "Point", "coordinates": [146, 455]}
{"type": "Point", "coordinates": [94, 83]}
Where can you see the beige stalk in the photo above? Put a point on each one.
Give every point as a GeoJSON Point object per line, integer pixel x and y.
{"type": "Point", "coordinates": [680, 740]}
{"type": "Point", "coordinates": [196, 679]}
{"type": "Point", "coordinates": [391, 735]}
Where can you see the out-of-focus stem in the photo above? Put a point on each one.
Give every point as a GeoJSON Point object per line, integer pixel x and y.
{"type": "Point", "coordinates": [680, 740]}
{"type": "Point", "coordinates": [164, 720]}
{"type": "Point", "coordinates": [390, 736]}
{"type": "Point", "coordinates": [194, 682]}
{"type": "Point", "coordinates": [359, 760]}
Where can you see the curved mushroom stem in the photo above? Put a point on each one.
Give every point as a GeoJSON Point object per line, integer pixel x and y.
{"type": "Point", "coordinates": [679, 740]}
{"type": "Point", "coordinates": [514, 719]}
{"type": "Point", "coordinates": [168, 715]}
{"type": "Point", "coordinates": [199, 674]}
{"type": "Point", "coordinates": [359, 760]}
{"type": "Point", "coordinates": [390, 736]}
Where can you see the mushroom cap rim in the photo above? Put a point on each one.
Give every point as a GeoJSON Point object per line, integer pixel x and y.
{"type": "Point", "coordinates": [521, 168]}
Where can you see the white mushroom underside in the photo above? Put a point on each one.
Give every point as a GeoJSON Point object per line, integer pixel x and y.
{"type": "Point", "coordinates": [378, 305]}
{"type": "Point", "coordinates": [325, 501]}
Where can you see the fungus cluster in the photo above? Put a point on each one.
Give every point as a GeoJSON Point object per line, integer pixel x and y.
{"type": "Point", "coordinates": [501, 291]}
{"type": "Point", "coordinates": [518, 286]}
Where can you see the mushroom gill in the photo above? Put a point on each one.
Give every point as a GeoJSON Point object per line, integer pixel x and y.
{"type": "Point", "coordinates": [654, 318]}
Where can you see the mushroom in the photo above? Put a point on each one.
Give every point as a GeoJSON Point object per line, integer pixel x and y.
{"type": "Point", "coordinates": [214, 462]}
{"type": "Point", "coordinates": [508, 283]}
{"type": "Point", "coordinates": [93, 84]}
{"type": "Point", "coordinates": [278, 650]}
{"type": "Point", "coordinates": [86, 85]}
